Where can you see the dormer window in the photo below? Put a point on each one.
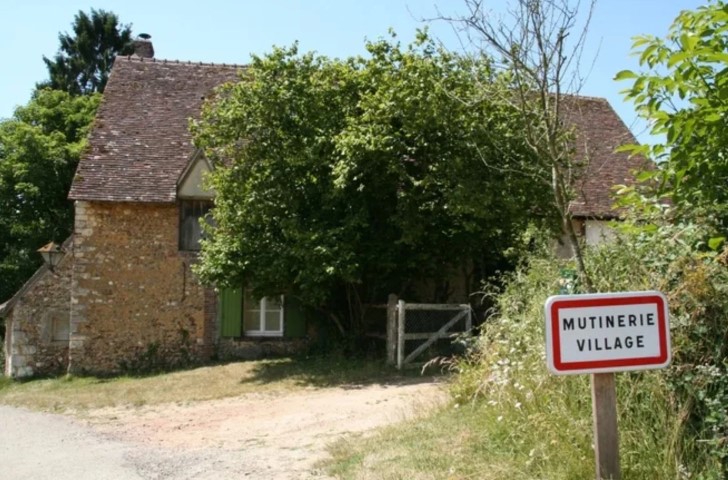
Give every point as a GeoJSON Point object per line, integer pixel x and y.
{"type": "Point", "coordinates": [195, 202]}
{"type": "Point", "coordinates": [192, 213]}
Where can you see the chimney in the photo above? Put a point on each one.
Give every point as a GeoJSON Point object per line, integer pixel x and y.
{"type": "Point", "coordinates": [143, 46]}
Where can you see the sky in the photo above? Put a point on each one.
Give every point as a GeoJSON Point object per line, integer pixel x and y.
{"type": "Point", "coordinates": [229, 31]}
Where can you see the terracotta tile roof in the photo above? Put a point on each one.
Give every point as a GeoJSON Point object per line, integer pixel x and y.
{"type": "Point", "coordinates": [599, 131]}
{"type": "Point", "coordinates": [140, 142]}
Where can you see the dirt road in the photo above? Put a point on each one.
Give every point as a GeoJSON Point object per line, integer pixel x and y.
{"type": "Point", "coordinates": [255, 436]}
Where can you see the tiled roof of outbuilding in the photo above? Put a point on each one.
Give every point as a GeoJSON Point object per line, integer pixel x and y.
{"type": "Point", "coordinates": [140, 141]}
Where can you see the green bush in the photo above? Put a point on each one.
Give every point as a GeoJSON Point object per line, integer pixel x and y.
{"type": "Point", "coordinates": [673, 422]}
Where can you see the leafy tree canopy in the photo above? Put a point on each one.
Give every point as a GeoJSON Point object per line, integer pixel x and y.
{"type": "Point", "coordinates": [358, 177]}
{"type": "Point", "coordinates": [84, 59]}
{"type": "Point", "coordinates": [683, 93]}
{"type": "Point", "coordinates": [39, 149]}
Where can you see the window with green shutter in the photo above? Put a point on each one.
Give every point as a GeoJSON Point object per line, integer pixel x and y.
{"type": "Point", "coordinates": [241, 314]}
{"type": "Point", "coordinates": [263, 317]}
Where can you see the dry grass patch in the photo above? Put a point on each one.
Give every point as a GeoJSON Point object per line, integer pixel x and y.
{"type": "Point", "coordinates": [205, 383]}
{"type": "Point", "coordinates": [472, 441]}
{"type": "Point", "coordinates": [439, 446]}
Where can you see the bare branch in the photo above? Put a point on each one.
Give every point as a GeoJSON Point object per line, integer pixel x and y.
{"type": "Point", "coordinates": [539, 48]}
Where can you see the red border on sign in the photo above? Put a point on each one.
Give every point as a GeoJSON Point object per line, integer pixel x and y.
{"type": "Point", "coordinates": [609, 302]}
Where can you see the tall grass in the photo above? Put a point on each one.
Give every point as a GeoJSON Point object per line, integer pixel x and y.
{"type": "Point", "coordinates": [543, 422]}
{"type": "Point", "coordinates": [666, 429]}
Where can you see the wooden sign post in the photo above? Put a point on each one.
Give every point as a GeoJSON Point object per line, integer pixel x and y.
{"type": "Point", "coordinates": [606, 436]}
{"type": "Point", "coordinates": [601, 334]}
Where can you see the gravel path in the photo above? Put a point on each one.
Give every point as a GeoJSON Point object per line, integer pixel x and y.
{"type": "Point", "coordinates": [44, 446]}
{"type": "Point", "coordinates": [256, 436]}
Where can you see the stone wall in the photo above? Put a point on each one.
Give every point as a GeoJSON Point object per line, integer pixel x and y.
{"type": "Point", "coordinates": [256, 348]}
{"type": "Point", "coordinates": [562, 246]}
{"type": "Point", "coordinates": [37, 324]}
{"type": "Point", "coordinates": [135, 303]}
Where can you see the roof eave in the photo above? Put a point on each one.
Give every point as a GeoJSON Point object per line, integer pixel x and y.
{"type": "Point", "coordinates": [6, 307]}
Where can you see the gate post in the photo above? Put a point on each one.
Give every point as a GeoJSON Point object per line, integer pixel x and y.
{"type": "Point", "coordinates": [400, 333]}
{"type": "Point", "coordinates": [391, 328]}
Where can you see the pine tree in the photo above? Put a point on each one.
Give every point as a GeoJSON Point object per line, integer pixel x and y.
{"type": "Point", "coordinates": [84, 59]}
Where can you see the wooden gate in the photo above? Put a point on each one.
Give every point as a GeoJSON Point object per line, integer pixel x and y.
{"type": "Point", "coordinates": [426, 321]}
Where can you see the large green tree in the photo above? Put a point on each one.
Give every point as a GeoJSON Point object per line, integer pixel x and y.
{"type": "Point", "coordinates": [85, 57]}
{"type": "Point", "coordinates": [39, 149]}
{"type": "Point", "coordinates": [356, 178]}
{"type": "Point", "coordinates": [682, 92]}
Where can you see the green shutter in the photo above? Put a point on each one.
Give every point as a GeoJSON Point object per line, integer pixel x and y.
{"type": "Point", "coordinates": [294, 324]}
{"type": "Point", "coordinates": [231, 306]}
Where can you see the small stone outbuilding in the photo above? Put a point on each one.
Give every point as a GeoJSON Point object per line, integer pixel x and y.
{"type": "Point", "coordinates": [37, 322]}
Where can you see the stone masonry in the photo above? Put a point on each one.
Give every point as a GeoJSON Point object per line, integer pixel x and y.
{"type": "Point", "coordinates": [36, 334]}
{"type": "Point", "coordinates": [135, 303]}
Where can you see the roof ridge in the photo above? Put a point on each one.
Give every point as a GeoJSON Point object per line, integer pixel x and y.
{"type": "Point", "coordinates": [585, 97]}
{"type": "Point", "coordinates": [165, 61]}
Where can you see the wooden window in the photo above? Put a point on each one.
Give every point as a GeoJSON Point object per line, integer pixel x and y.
{"type": "Point", "coordinates": [191, 214]}
{"type": "Point", "coordinates": [60, 328]}
{"type": "Point", "coordinates": [263, 317]}
{"type": "Point", "coordinates": [243, 315]}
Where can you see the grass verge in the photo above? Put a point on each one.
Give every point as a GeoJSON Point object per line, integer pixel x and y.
{"type": "Point", "coordinates": [71, 393]}
{"type": "Point", "coordinates": [535, 432]}
{"type": "Point", "coordinates": [512, 439]}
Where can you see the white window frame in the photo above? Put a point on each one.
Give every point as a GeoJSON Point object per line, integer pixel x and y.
{"type": "Point", "coordinates": [262, 309]}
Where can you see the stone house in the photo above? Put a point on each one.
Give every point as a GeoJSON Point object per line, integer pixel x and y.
{"type": "Point", "coordinates": [124, 296]}
{"type": "Point", "coordinates": [598, 131]}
